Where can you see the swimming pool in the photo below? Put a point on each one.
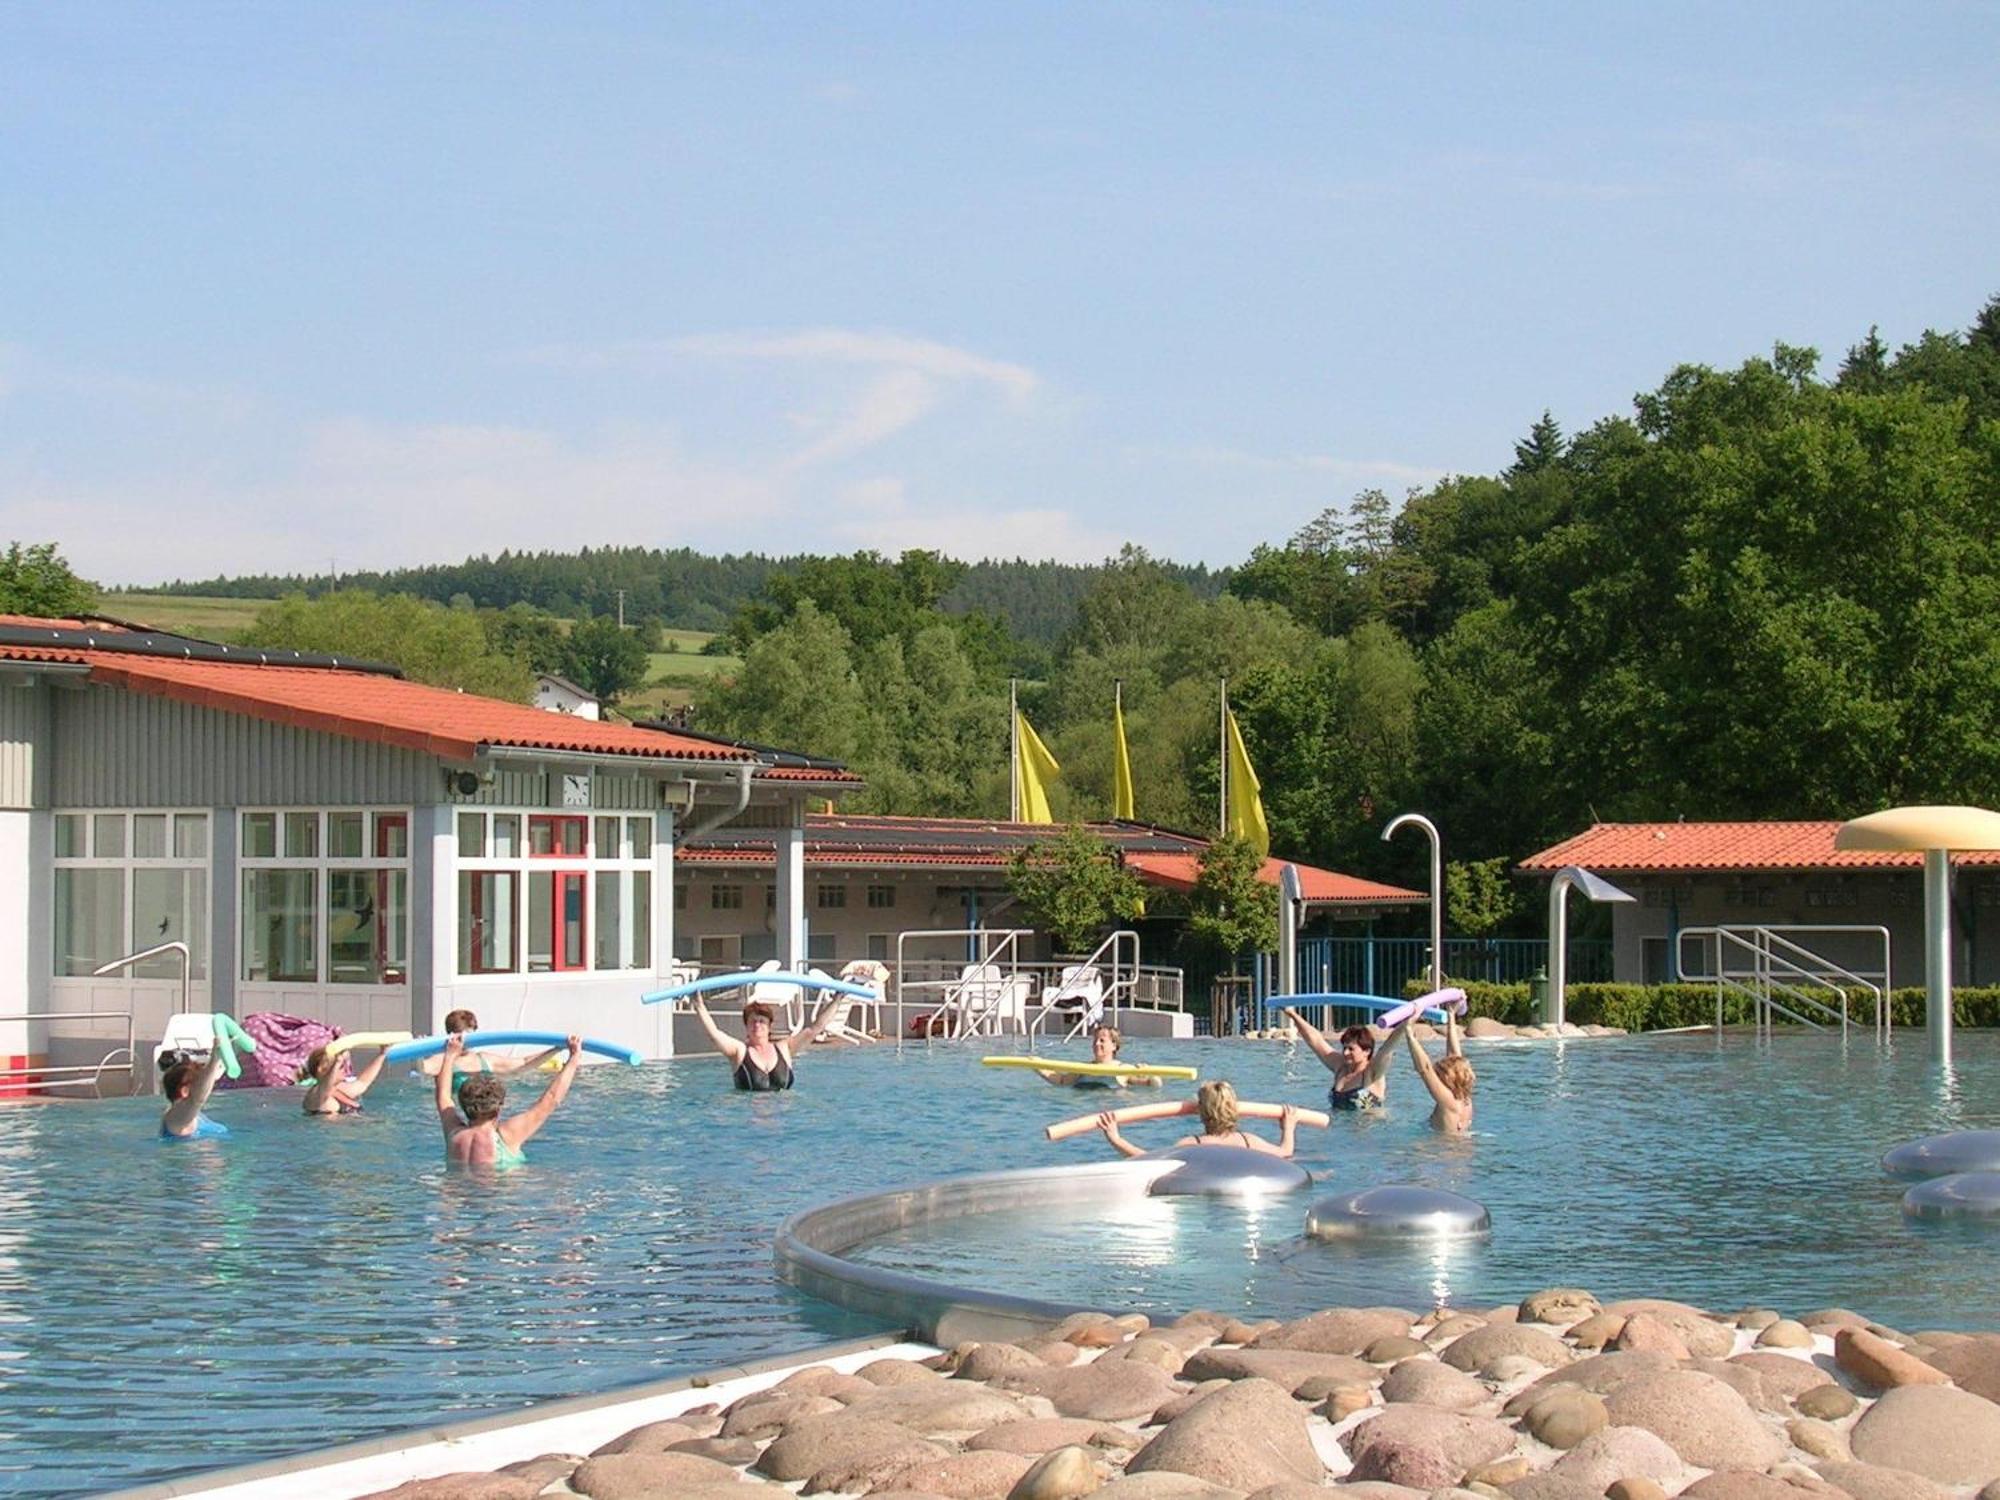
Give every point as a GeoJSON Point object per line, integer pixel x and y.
{"type": "Point", "coordinates": [308, 1283]}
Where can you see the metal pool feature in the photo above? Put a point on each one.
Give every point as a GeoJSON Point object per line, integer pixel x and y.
{"type": "Point", "coordinates": [1941, 1155]}
{"type": "Point", "coordinates": [1962, 1195]}
{"type": "Point", "coordinates": [1226, 1172]}
{"type": "Point", "coordinates": [1398, 1211]}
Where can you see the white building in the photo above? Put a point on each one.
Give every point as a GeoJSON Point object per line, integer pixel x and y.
{"type": "Point", "coordinates": [558, 695]}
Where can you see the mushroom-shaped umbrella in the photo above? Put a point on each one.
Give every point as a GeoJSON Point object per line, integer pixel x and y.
{"type": "Point", "coordinates": [1935, 831]}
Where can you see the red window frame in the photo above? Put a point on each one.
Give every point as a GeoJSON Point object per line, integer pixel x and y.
{"type": "Point", "coordinates": [572, 886]}
{"type": "Point", "coordinates": [557, 825]}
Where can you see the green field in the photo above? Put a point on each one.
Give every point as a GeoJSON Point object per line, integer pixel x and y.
{"type": "Point", "coordinates": [184, 614]}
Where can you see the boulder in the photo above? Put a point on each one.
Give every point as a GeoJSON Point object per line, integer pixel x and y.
{"type": "Point", "coordinates": [1429, 1382]}
{"type": "Point", "coordinates": [1104, 1392]}
{"type": "Point", "coordinates": [1752, 1319]}
{"type": "Point", "coordinates": [1166, 1411]}
{"type": "Point", "coordinates": [1039, 1435]}
{"type": "Point", "coordinates": [1972, 1363]}
{"type": "Point", "coordinates": [1871, 1482]}
{"type": "Point", "coordinates": [1818, 1439]}
{"type": "Point", "coordinates": [1390, 1350]}
{"type": "Point", "coordinates": [1595, 1331]}
{"type": "Point", "coordinates": [1644, 1331]}
{"type": "Point", "coordinates": [1289, 1368]}
{"type": "Point", "coordinates": [1701, 1418]}
{"type": "Point", "coordinates": [1452, 1326]}
{"type": "Point", "coordinates": [1562, 1305]}
{"type": "Point", "coordinates": [1424, 1447]}
{"type": "Point", "coordinates": [1782, 1374]}
{"type": "Point", "coordinates": [1246, 1435]}
{"type": "Point", "coordinates": [985, 1361]}
{"type": "Point", "coordinates": [1784, 1334]}
{"type": "Point", "coordinates": [1345, 1402]}
{"type": "Point", "coordinates": [1565, 1416]}
{"type": "Point", "coordinates": [1485, 1027]}
{"type": "Point", "coordinates": [986, 1475]}
{"type": "Point", "coordinates": [1601, 1373]}
{"type": "Point", "coordinates": [896, 1372]}
{"type": "Point", "coordinates": [1062, 1474]}
{"type": "Point", "coordinates": [833, 1444]}
{"type": "Point", "coordinates": [465, 1487]}
{"type": "Point", "coordinates": [1634, 1489]}
{"type": "Point", "coordinates": [654, 1437]}
{"type": "Point", "coordinates": [750, 1419]}
{"type": "Point", "coordinates": [1701, 1333]}
{"type": "Point", "coordinates": [946, 1406]}
{"type": "Point", "coordinates": [1240, 1332]}
{"type": "Point", "coordinates": [1502, 1471]}
{"type": "Point", "coordinates": [545, 1469]}
{"type": "Point", "coordinates": [1482, 1346]}
{"type": "Point", "coordinates": [1826, 1403]}
{"type": "Point", "coordinates": [1164, 1486]}
{"type": "Point", "coordinates": [1827, 1319]}
{"type": "Point", "coordinates": [1747, 1381]}
{"type": "Point", "coordinates": [1620, 1453]}
{"type": "Point", "coordinates": [1083, 1322]}
{"type": "Point", "coordinates": [1877, 1362]}
{"type": "Point", "coordinates": [1340, 1330]}
{"type": "Point", "coordinates": [1746, 1484]}
{"type": "Point", "coordinates": [1548, 1486]}
{"type": "Point", "coordinates": [641, 1476]}
{"type": "Point", "coordinates": [1938, 1431]}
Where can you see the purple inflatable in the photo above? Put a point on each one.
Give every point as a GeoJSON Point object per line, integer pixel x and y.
{"type": "Point", "coordinates": [283, 1045]}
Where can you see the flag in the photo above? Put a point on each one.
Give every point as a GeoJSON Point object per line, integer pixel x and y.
{"type": "Point", "coordinates": [1121, 776]}
{"type": "Point", "coordinates": [1246, 807]}
{"type": "Point", "coordinates": [1034, 769]}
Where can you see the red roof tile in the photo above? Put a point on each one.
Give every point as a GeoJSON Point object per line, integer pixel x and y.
{"type": "Point", "coordinates": [1678, 847]}
{"type": "Point", "coordinates": [1320, 887]}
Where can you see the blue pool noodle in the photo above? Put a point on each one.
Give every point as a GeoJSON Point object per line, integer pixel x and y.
{"type": "Point", "coordinates": [738, 981]}
{"type": "Point", "coordinates": [430, 1046]}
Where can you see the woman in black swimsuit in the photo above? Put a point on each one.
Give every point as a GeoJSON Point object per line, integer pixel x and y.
{"type": "Point", "coordinates": [1360, 1067]}
{"type": "Point", "coordinates": [760, 1065]}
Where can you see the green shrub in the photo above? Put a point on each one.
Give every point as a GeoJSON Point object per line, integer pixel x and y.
{"type": "Point", "coordinates": [1663, 1007]}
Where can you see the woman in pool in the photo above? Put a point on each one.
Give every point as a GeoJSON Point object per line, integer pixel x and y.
{"type": "Point", "coordinates": [759, 1064]}
{"type": "Point", "coordinates": [1104, 1044]}
{"type": "Point", "coordinates": [335, 1088]}
{"type": "Point", "coordinates": [1216, 1102]}
{"type": "Point", "coordinates": [1450, 1079]}
{"type": "Point", "coordinates": [1360, 1067]}
{"type": "Point", "coordinates": [463, 1022]}
{"type": "Point", "coordinates": [480, 1138]}
{"type": "Point", "coordinates": [187, 1083]}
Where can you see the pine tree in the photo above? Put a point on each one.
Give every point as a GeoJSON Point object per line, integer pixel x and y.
{"type": "Point", "coordinates": [1541, 449]}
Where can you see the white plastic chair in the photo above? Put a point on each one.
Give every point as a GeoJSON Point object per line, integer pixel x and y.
{"type": "Point", "coordinates": [1079, 992]}
{"type": "Point", "coordinates": [788, 1000]}
{"type": "Point", "coordinates": [190, 1031]}
{"type": "Point", "coordinates": [864, 971]}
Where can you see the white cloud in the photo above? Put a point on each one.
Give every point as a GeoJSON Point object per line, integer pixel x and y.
{"type": "Point", "coordinates": [1354, 470]}
{"type": "Point", "coordinates": [877, 513]}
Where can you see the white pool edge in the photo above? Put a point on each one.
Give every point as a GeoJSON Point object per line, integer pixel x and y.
{"type": "Point", "coordinates": [575, 1424]}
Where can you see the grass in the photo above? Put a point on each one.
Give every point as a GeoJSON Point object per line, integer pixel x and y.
{"type": "Point", "coordinates": [673, 676]}
{"type": "Point", "coordinates": [185, 614]}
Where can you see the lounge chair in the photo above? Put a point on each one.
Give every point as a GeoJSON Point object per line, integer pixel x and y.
{"type": "Point", "coordinates": [1077, 997]}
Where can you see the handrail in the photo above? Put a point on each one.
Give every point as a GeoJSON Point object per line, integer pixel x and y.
{"type": "Point", "coordinates": [173, 946]}
{"type": "Point", "coordinates": [988, 952]}
{"type": "Point", "coordinates": [44, 1077]}
{"type": "Point", "coordinates": [1123, 979]}
{"type": "Point", "coordinates": [1770, 971]}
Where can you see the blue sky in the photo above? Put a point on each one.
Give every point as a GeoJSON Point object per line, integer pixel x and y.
{"type": "Point", "coordinates": [290, 286]}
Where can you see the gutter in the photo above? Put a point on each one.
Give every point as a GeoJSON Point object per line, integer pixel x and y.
{"type": "Point", "coordinates": [716, 818]}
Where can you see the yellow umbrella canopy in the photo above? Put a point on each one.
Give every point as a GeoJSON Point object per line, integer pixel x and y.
{"type": "Point", "coordinates": [1903, 828]}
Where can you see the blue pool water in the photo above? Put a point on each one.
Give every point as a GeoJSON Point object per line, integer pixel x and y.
{"type": "Point", "coordinates": [304, 1283]}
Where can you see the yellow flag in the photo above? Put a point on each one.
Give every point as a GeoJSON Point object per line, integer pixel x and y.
{"type": "Point", "coordinates": [1246, 807]}
{"type": "Point", "coordinates": [1034, 769]}
{"type": "Point", "coordinates": [1121, 779]}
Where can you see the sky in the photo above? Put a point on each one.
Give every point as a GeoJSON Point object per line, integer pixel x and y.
{"type": "Point", "coordinates": [298, 287]}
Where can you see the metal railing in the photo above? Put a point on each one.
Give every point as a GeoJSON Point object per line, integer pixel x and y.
{"type": "Point", "coordinates": [988, 985]}
{"type": "Point", "coordinates": [32, 1079]}
{"type": "Point", "coordinates": [1780, 976]}
{"type": "Point", "coordinates": [1385, 965]}
{"type": "Point", "coordinates": [1091, 984]}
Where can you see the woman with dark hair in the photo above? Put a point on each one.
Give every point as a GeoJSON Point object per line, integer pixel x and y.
{"type": "Point", "coordinates": [1360, 1068]}
{"type": "Point", "coordinates": [761, 1065]}
{"type": "Point", "coordinates": [480, 1138]}
{"type": "Point", "coordinates": [333, 1088]}
{"type": "Point", "coordinates": [187, 1082]}
{"type": "Point", "coordinates": [464, 1023]}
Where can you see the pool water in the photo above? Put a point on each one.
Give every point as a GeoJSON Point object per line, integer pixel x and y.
{"type": "Point", "coordinates": [166, 1308]}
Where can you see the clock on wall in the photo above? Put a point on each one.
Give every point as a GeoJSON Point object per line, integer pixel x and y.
{"type": "Point", "coordinates": [576, 791]}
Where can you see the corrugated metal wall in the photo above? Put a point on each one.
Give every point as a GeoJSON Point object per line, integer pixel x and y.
{"type": "Point", "coordinates": [535, 788]}
{"type": "Point", "coordinates": [24, 741]}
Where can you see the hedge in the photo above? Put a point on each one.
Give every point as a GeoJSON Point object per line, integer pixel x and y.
{"type": "Point", "coordinates": [1661, 1007]}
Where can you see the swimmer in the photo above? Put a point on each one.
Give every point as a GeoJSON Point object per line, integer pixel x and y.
{"type": "Point", "coordinates": [335, 1088]}
{"type": "Point", "coordinates": [1360, 1068]}
{"type": "Point", "coordinates": [459, 1023]}
{"type": "Point", "coordinates": [1216, 1102]}
{"type": "Point", "coordinates": [1450, 1079]}
{"type": "Point", "coordinates": [761, 1065]}
{"type": "Point", "coordinates": [1104, 1044]}
{"type": "Point", "coordinates": [187, 1083]}
{"type": "Point", "coordinates": [480, 1138]}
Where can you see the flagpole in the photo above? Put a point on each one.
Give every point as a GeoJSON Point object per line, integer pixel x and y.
{"type": "Point", "coordinates": [1013, 753]}
{"type": "Point", "coordinates": [1222, 763]}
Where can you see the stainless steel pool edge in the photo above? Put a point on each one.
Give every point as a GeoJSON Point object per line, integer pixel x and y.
{"type": "Point", "coordinates": [810, 1245]}
{"type": "Point", "coordinates": [210, 1480]}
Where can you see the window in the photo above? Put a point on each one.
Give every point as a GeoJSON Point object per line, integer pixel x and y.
{"type": "Point", "coordinates": [280, 932]}
{"type": "Point", "coordinates": [471, 835]}
{"type": "Point", "coordinates": [831, 897]}
{"type": "Point", "coordinates": [680, 897]}
{"type": "Point", "coordinates": [610, 903]}
{"type": "Point", "coordinates": [555, 921]}
{"type": "Point", "coordinates": [881, 897]}
{"type": "Point", "coordinates": [878, 946]}
{"type": "Point", "coordinates": [326, 897]}
{"type": "Point", "coordinates": [725, 898]}
{"type": "Point", "coordinates": [489, 906]}
{"type": "Point", "coordinates": [639, 832]}
{"type": "Point", "coordinates": [642, 919]}
{"type": "Point", "coordinates": [553, 838]}
{"type": "Point", "coordinates": [345, 835]}
{"type": "Point", "coordinates": [572, 896]}
{"type": "Point", "coordinates": [128, 881]}
{"type": "Point", "coordinates": [608, 841]}
{"type": "Point", "coordinates": [367, 921]}
{"type": "Point", "coordinates": [819, 949]}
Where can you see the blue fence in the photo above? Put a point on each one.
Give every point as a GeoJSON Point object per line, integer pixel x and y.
{"type": "Point", "coordinates": [1383, 966]}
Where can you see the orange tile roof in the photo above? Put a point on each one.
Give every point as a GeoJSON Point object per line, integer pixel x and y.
{"type": "Point", "coordinates": [1681, 847]}
{"type": "Point", "coordinates": [1320, 887]}
{"type": "Point", "coordinates": [370, 706]}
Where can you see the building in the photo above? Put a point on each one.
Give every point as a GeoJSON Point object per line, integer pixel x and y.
{"type": "Point", "coordinates": [558, 695]}
{"type": "Point", "coordinates": [1778, 875]}
{"type": "Point", "coordinates": [331, 840]}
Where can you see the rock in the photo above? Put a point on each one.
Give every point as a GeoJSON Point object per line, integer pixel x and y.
{"type": "Point", "coordinates": [1869, 1482]}
{"type": "Point", "coordinates": [1743, 1484]}
{"type": "Point", "coordinates": [1423, 1447]}
{"type": "Point", "coordinates": [1132, 1324]}
{"type": "Point", "coordinates": [1785, 1334]}
{"type": "Point", "coordinates": [1148, 1349]}
{"type": "Point", "coordinates": [832, 1444]}
{"type": "Point", "coordinates": [1876, 1361]}
{"type": "Point", "coordinates": [949, 1406]}
{"type": "Point", "coordinates": [1747, 1382]}
{"type": "Point", "coordinates": [1104, 1392]}
{"type": "Point", "coordinates": [1827, 1319]}
{"type": "Point", "coordinates": [1633, 1489]}
{"type": "Point", "coordinates": [1937, 1431]}
{"type": "Point", "coordinates": [1243, 1333]}
{"type": "Point", "coordinates": [1291, 1489]}
{"type": "Point", "coordinates": [1340, 1330]}
{"type": "Point", "coordinates": [1511, 1313]}
{"type": "Point", "coordinates": [655, 1437]}
{"type": "Point", "coordinates": [986, 1475]}
{"type": "Point", "coordinates": [1595, 1331]}
{"type": "Point", "coordinates": [642, 1476]}
{"type": "Point", "coordinates": [1390, 1350]}
{"type": "Point", "coordinates": [1702, 1334]}
{"type": "Point", "coordinates": [1818, 1439]}
{"type": "Point", "coordinates": [1431, 1383]}
{"type": "Point", "coordinates": [1602, 1373]}
{"type": "Point", "coordinates": [1077, 1323]}
{"type": "Point", "coordinates": [1483, 1345]}
{"type": "Point", "coordinates": [1058, 1352]}
{"type": "Point", "coordinates": [1644, 1331]}
{"type": "Point", "coordinates": [1202, 1317]}
{"type": "Point", "coordinates": [1487, 1027]}
{"type": "Point", "coordinates": [1376, 1489]}
{"type": "Point", "coordinates": [1510, 1369]}
{"type": "Point", "coordinates": [1781, 1373]}
{"type": "Point", "coordinates": [1166, 1411]}
{"type": "Point", "coordinates": [1452, 1327]}
{"type": "Point", "coordinates": [896, 1372]}
{"type": "Point", "coordinates": [759, 1419]}
{"type": "Point", "coordinates": [1972, 1363]}
{"type": "Point", "coordinates": [1344, 1402]}
{"type": "Point", "coordinates": [1565, 1417]}
{"type": "Point", "coordinates": [1246, 1435]}
{"type": "Point", "coordinates": [1164, 1486]}
{"type": "Point", "coordinates": [1754, 1319]}
{"type": "Point", "coordinates": [732, 1451]}
{"type": "Point", "coordinates": [465, 1487]}
{"type": "Point", "coordinates": [1560, 1304]}
{"type": "Point", "coordinates": [803, 1382]}
{"type": "Point", "coordinates": [985, 1361]}
{"type": "Point", "coordinates": [1826, 1403]}
{"type": "Point", "coordinates": [1620, 1453]}
{"type": "Point", "coordinates": [1502, 1471]}
{"type": "Point", "coordinates": [1063, 1474]}
{"type": "Point", "coordinates": [1548, 1486]}
{"type": "Point", "coordinates": [1039, 1435]}
{"type": "Point", "coordinates": [1701, 1418]}
{"type": "Point", "coordinates": [1289, 1368]}
{"type": "Point", "coordinates": [544, 1469]}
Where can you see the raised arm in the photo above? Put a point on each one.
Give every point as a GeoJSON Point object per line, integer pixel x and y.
{"type": "Point", "coordinates": [521, 1064]}
{"type": "Point", "coordinates": [821, 1017]}
{"type": "Point", "coordinates": [1288, 1129]}
{"type": "Point", "coordinates": [518, 1129]}
{"type": "Point", "coordinates": [1385, 1050]}
{"type": "Point", "coordinates": [448, 1116]}
{"type": "Point", "coordinates": [1315, 1039]}
{"type": "Point", "coordinates": [180, 1115]}
{"type": "Point", "coordinates": [1108, 1123]}
{"type": "Point", "coordinates": [363, 1081]}
{"type": "Point", "coordinates": [1440, 1095]}
{"type": "Point", "coordinates": [1452, 1035]}
{"type": "Point", "coordinates": [724, 1043]}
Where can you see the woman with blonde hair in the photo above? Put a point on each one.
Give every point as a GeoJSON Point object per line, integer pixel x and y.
{"type": "Point", "coordinates": [1449, 1079]}
{"type": "Point", "coordinates": [1215, 1101]}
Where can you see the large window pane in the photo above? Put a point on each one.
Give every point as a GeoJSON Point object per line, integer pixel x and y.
{"type": "Point", "coordinates": [260, 835]}
{"type": "Point", "coordinates": [149, 835]}
{"type": "Point", "coordinates": [642, 919]}
{"type": "Point", "coordinates": [90, 919]}
{"type": "Point", "coordinates": [541, 921]}
{"type": "Point", "coordinates": [488, 914]}
{"type": "Point", "coordinates": [610, 918]}
{"type": "Point", "coordinates": [280, 928]}
{"type": "Point", "coordinates": [170, 906]}
{"type": "Point", "coordinates": [367, 920]}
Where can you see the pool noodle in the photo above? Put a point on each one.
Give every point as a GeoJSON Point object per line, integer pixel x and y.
{"type": "Point", "coordinates": [225, 1044]}
{"type": "Point", "coordinates": [740, 981]}
{"type": "Point", "coordinates": [355, 1039]}
{"type": "Point", "coordinates": [430, 1046]}
{"type": "Point", "coordinates": [1449, 998]}
{"type": "Point", "coordinates": [1094, 1069]}
{"type": "Point", "coordinates": [1062, 1130]}
{"type": "Point", "coordinates": [1383, 1008]}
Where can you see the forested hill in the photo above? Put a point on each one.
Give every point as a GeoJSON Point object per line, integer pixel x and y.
{"type": "Point", "coordinates": [686, 590]}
